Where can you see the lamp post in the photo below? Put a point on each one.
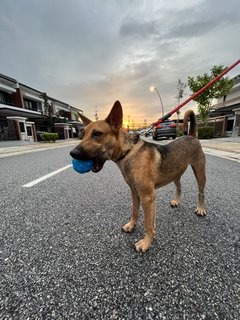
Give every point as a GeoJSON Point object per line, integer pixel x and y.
{"type": "Point", "coordinates": [154, 88]}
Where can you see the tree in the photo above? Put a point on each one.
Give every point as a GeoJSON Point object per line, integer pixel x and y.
{"type": "Point", "coordinates": [181, 86]}
{"type": "Point", "coordinates": [76, 115]}
{"type": "Point", "coordinates": [216, 91]}
{"type": "Point", "coordinates": [47, 109]}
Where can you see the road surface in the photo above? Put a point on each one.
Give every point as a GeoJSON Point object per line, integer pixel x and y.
{"type": "Point", "coordinates": [63, 254]}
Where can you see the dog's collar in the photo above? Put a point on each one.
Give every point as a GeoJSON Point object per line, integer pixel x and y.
{"type": "Point", "coordinates": [134, 139]}
{"type": "Point", "coordinates": [122, 156]}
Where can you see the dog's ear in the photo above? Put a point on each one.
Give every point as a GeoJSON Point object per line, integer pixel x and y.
{"type": "Point", "coordinates": [84, 119]}
{"type": "Point", "coordinates": [115, 116]}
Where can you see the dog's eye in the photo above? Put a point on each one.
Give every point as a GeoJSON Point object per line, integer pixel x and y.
{"type": "Point", "coordinates": [96, 134]}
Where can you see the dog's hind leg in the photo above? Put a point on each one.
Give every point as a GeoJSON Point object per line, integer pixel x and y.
{"type": "Point", "coordinates": [129, 227]}
{"type": "Point", "coordinates": [175, 202]}
{"type": "Point", "coordinates": [199, 171]}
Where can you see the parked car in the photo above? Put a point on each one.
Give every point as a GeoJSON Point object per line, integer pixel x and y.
{"type": "Point", "coordinates": [165, 129]}
{"type": "Point", "coordinates": [141, 132]}
{"type": "Point", "coordinates": [148, 132]}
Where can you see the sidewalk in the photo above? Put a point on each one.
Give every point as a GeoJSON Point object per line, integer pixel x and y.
{"type": "Point", "coordinates": [228, 148]}
{"type": "Point", "coordinates": [231, 144]}
{"type": "Point", "coordinates": [17, 147]}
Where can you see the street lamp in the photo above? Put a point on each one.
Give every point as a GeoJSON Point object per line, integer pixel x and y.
{"type": "Point", "coordinates": [154, 88]}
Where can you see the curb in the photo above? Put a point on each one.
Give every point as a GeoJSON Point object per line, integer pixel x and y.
{"type": "Point", "coordinates": [18, 150]}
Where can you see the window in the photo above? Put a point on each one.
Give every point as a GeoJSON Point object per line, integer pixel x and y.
{"type": "Point", "coordinates": [5, 97]}
{"type": "Point", "coordinates": [30, 104]}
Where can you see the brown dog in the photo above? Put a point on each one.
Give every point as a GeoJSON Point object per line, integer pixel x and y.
{"type": "Point", "coordinates": [145, 166]}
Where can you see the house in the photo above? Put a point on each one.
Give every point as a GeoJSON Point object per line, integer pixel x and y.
{"type": "Point", "coordinates": [26, 112]}
{"type": "Point", "coordinates": [77, 125]}
{"type": "Point", "coordinates": [16, 116]}
{"type": "Point", "coordinates": [225, 114]}
{"type": "Point", "coordinates": [61, 114]}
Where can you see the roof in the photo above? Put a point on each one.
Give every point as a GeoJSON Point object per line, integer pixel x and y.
{"type": "Point", "coordinates": [41, 92]}
{"type": "Point", "coordinates": [31, 88]}
{"type": "Point", "coordinates": [224, 110]}
{"type": "Point", "coordinates": [75, 109]}
{"type": "Point", "coordinates": [7, 78]}
{"type": "Point", "coordinates": [56, 100]}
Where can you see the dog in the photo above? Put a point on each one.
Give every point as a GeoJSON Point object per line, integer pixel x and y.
{"type": "Point", "coordinates": [145, 166]}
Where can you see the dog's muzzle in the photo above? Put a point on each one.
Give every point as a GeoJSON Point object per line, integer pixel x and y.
{"type": "Point", "coordinates": [75, 154]}
{"type": "Point", "coordinates": [78, 154]}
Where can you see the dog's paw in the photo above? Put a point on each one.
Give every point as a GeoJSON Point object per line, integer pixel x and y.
{"type": "Point", "coordinates": [143, 244]}
{"type": "Point", "coordinates": [128, 227]}
{"type": "Point", "coordinates": [174, 203]}
{"type": "Point", "coordinates": [200, 212]}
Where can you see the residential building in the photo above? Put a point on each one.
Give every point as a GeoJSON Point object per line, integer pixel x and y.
{"type": "Point", "coordinates": [26, 112]}
{"type": "Point", "coordinates": [225, 116]}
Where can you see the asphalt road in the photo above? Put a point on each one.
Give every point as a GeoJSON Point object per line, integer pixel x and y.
{"type": "Point", "coordinates": [63, 255]}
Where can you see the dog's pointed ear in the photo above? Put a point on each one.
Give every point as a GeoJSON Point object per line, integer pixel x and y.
{"type": "Point", "coordinates": [115, 116]}
{"type": "Point", "coordinates": [84, 119]}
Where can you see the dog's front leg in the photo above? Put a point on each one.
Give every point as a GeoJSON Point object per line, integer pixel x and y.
{"type": "Point", "coordinates": [148, 201]}
{"type": "Point", "coordinates": [129, 227]}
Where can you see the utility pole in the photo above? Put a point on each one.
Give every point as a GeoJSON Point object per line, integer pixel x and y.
{"type": "Point", "coordinates": [96, 114]}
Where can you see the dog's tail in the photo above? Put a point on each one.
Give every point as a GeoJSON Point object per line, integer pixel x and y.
{"type": "Point", "coordinates": [193, 131]}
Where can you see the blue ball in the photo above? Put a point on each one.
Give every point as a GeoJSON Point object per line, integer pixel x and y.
{"type": "Point", "coordinates": [82, 166]}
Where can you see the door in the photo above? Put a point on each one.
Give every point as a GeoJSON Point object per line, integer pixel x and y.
{"type": "Point", "coordinates": [29, 132]}
{"type": "Point", "coordinates": [23, 130]}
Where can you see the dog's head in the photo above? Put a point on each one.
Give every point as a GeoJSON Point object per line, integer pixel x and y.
{"type": "Point", "coordinates": [99, 138]}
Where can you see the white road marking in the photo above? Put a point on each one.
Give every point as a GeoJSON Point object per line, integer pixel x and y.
{"type": "Point", "coordinates": [34, 182]}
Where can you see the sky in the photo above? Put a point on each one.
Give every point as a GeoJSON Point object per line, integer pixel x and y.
{"type": "Point", "coordinates": [90, 53]}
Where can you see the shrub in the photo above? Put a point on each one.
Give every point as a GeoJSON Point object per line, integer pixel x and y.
{"type": "Point", "coordinates": [48, 136]}
{"type": "Point", "coordinates": [205, 132]}
{"type": "Point", "coordinates": [179, 132]}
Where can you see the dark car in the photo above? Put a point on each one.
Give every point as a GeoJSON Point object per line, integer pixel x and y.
{"type": "Point", "coordinates": [165, 129]}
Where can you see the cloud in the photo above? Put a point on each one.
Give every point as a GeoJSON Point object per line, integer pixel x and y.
{"type": "Point", "coordinates": [90, 53]}
{"type": "Point", "coordinates": [140, 29]}
{"type": "Point", "coordinates": [189, 22]}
